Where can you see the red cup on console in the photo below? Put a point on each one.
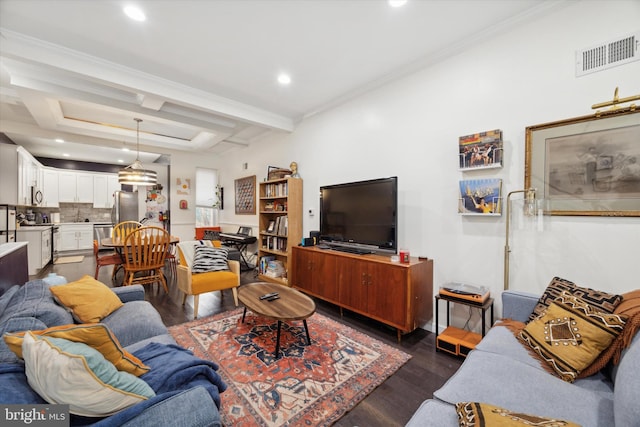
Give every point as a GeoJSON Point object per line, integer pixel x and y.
{"type": "Point", "coordinates": [405, 256]}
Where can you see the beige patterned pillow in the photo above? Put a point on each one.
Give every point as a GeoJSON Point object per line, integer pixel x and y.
{"type": "Point", "coordinates": [602, 301]}
{"type": "Point", "coordinates": [474, 414]}
{"type": "Point", "coordinates": [571, 334]}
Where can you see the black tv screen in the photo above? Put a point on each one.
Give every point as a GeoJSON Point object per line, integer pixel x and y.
{"type": "Point", "coordinates": [361, 214]}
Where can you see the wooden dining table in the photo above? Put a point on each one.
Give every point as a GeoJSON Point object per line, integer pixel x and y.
{"type": "Point", "coordinates": [118, 243]}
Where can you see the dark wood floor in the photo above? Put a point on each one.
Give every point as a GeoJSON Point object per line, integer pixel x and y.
{"type": "Point", "coordinates": [391, 404]}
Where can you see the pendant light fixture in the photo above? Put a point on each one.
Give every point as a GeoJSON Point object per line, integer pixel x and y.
{"type": "Point", "coordinates": [135, 174]}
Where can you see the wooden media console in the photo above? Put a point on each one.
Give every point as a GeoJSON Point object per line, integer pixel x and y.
{"type": "Point", "coordinates": [397, 294]}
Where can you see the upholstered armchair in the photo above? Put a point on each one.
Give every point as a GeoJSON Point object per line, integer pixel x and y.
{"type": "Point", "coordinates": [210, 278]}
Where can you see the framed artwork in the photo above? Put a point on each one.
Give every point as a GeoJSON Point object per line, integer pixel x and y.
{"type": "Point", "coordinates": [481, 150]}
{"type": "Point", "coordinates": [588, 165]}
{"type": "Point", "coordinates": [183, 186]}
{"type": "Point", "coordinates": [274, 172]}
{"type": "Point", "coordinates": [246, 195]}
{"type": "Point", "coordinates": [480, 197]}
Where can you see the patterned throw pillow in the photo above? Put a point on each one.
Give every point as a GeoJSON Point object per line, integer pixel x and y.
{"type": "Point", "coordinates": [74, 374]}
{"type": "Point", "coordinates": [571, 334]}
{"type": "Point", "coordinates": [599, 300]}
{"type": "Point", "coordinates": [207, 259]}
{"type": "Point", "coordinates": [474, 414]}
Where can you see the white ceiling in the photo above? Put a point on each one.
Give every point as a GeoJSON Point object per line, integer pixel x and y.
{"type": "Point", "coordinates": [202, 73]}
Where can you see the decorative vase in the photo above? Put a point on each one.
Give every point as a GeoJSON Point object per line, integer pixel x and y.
{"type": "Point", "coordinates": [53, 279]}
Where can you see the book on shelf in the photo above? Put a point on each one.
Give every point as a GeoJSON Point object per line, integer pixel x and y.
{"type": "Point", "coordinates": [274, 243]}
{"type": "Point", "coordinates": [280, 189]}
{"type": "Point", "coordinates": [264, 262]}
{"type": "Point", "coordinates": [281, 225]}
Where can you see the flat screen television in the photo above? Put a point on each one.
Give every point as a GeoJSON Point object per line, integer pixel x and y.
{"type": "Point", "coordinates": [362, 215]}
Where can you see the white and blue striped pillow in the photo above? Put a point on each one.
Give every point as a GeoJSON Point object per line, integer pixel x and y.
{"type": "Point", "coordinates": [207, 259]}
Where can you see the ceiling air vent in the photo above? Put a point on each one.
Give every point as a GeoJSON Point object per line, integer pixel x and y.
{"type": "Point", "coordinates": [607, 55]}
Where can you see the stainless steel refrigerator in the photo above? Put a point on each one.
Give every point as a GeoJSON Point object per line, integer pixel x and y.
{"type": "Point", "coordinates": [125, 207]}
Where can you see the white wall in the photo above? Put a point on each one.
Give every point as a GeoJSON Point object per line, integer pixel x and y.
{"type": "Point", "coordinates": [410, 128]}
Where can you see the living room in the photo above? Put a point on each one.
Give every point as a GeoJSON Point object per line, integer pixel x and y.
{"type": "Point", "coordinates": [410, 127]}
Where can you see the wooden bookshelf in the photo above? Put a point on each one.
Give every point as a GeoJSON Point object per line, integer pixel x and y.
{"type": "Point", "coordinates": [280, 224]}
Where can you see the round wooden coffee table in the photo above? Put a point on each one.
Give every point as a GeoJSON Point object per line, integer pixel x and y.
{"type": "Point", "coordinates": [292, 305]}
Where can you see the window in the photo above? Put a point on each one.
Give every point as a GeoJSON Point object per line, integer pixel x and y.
{"type": "Point", "coordinates": [206, 198]}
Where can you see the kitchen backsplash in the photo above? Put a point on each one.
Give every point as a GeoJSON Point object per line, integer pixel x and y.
{"type": "Point", "coordinates": [73, 212]}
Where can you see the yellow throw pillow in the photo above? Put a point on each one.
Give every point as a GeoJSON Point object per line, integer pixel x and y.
{"type": "Point", "coordinates": [89, 300]}
{"type": "Point", "coordinates": [571, 334]}
{"type": "Point", "coordinates": [97, 336]}
{"type": "Point", "coordinates": [474, 414]}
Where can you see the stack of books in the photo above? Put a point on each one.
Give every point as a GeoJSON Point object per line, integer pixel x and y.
{"type": "Point", "coordinates": [275, 268]}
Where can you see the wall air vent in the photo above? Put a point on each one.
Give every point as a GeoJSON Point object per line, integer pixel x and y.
{"type": "Point", "coordinates": [609, 54]}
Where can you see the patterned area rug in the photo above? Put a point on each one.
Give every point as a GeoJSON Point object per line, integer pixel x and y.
{"type": "Point", "coordinates": [308, 386]}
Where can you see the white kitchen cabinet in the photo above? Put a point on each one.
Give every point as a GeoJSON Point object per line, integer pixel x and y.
{"type": "Point", "coordinates": [38, 248]}
{"type": "Point", "coordinates": [50, 188]}
{"type": "Point", "coordinates": [75, 237]}
{"type": "Point", "coordinates": [75, 187]}
{"type": "Point", "coordinates": [28, 175]}
{"type": "Point", "coordinates": [103, 188]}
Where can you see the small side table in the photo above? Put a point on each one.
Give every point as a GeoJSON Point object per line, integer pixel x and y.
{"type": "Point", "coordinates": [453, 345]}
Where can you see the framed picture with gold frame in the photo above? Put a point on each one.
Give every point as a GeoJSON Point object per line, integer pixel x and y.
{"type": "Point", "coordinates": [587, 165]}
{"type": "Point", "coordinates": [245, 189]}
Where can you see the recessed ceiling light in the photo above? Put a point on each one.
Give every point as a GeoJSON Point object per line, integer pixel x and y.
{"type": "Point", "coordinates": [135, 13]}
{"type": "Point", "coordinates": [397, 3]}
{"type": "Point", "coordinates": [125, 149]}
{"type": "Point", "coordinates": [66, 154]}
{"type": "Point", "coordinates": [120, 161]}
{"type": "Point", "coordinates": [59, 140]}
{"type": "Point", "coordinates": [284, 79]}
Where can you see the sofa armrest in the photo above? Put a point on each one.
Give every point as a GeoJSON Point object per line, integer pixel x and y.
{"type": "Point", "coordinates": [130, 293]}
{"type": "Point", "coordinates": [518, 305]}
{"type": "Point", "coordinates": [190, 408]}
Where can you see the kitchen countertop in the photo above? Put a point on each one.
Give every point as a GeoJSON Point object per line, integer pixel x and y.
{"type": "Point", "coordinates": [7, 248]}
{"type": "Point", "coordinates": [39, 227]}
{"type": "Point", "coordinates": [49, 225]}
{"type": "Point", "coordinates": [85, 223]}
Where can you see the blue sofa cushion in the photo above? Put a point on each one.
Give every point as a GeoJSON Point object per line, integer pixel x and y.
{"type": "Point", "coordinates": [627, 389]}
{"type": "Point", "coordinates": [501, 381]}
{"type": "Point", "coordinates": [134, 322]}
{"type": "Point", "coordinates": [34, 300]}
{"type": "Point", "coordinates": [432, 413]}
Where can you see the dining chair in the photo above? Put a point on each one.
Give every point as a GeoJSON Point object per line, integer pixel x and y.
{"type": "Point", "coordinates": [122, 229]}
{"type": "Point", "coordinates": [144, 251]}
{"type": "Point", "coordinates": [113, 258]}
{"type": "Point", "coordinates": [172, 260]}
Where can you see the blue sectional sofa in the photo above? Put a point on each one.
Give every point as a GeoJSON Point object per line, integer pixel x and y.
{"type": "Point", "coordinates": [501, 372]}
{"type": "Point", "coordinates": [186, 388]}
